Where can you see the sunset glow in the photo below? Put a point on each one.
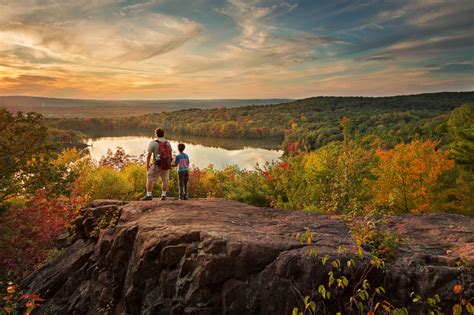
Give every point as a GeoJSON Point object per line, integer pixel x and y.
{"type": "Point", "coordinates": [177, 49]}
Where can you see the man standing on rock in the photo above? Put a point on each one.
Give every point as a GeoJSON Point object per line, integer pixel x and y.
{"type": "Point", "coordinates": [160, 149]}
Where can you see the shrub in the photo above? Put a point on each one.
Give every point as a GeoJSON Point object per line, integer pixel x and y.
{"type": "Point", "coordinates": [104, 183]}
{"type": "Point", "coordinates": [27, 232]}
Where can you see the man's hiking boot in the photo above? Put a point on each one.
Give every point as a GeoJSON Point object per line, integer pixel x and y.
{"type": "Point", "coordinates": [185, 198]}
{"type": "Point", "coordinates": [163, 197]}
{"type": "Point", "coordinates": [146, 198]}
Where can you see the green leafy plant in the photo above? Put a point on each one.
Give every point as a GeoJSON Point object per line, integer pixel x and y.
{"type": "Point", "coordinates": [372, 234]}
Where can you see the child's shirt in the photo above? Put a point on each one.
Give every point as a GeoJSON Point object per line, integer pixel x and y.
{"type": "Point", "coordinates": [182, 160]}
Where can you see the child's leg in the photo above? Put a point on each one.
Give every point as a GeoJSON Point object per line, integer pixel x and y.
{"type": "Point", "coordinates": [185, 183]}
{"type": "Point", "coordinates": [181, 184]}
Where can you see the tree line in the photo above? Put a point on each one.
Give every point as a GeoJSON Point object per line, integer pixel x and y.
{"type": "Point", "coordinates": [312, 122]}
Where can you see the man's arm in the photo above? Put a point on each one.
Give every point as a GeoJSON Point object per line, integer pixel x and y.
{"type": "Point", "coordinates": [175, 161]}
{"type": "Point", "coordinates": [148, 158]}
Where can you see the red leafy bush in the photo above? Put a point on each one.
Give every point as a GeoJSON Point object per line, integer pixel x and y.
{"type": "Point", "coordinates": [16, 302]}
{"type": "Point", "coordinates": [27, 232]}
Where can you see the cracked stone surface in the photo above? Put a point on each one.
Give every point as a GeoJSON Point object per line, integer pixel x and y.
{"type": "Point", "coordinates": [213, 256]}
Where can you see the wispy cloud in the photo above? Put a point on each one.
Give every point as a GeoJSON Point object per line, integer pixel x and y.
{"type": "Point", "coordinates": [98, 37]}
{"type": "Point", "coordinates": [265, 39]}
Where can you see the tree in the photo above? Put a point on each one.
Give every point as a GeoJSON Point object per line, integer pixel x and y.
{"type": "Point", "coordinates": [27, 157]}
{"type": "Point", "coordinates": [461, 128]}
{"type": "Point", "coordinates": [408, 176]}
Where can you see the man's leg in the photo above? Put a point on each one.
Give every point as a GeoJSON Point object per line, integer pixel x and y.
{"type": "Point", "coordinates": [165, 174]}
{"type": "Point", "coordinates": [151, 175]}
{"type": "Point", "coordinates": [149, 187]}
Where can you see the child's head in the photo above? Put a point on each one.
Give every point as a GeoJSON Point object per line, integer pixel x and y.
{"type": "Point", "coordinates": [181, 147]}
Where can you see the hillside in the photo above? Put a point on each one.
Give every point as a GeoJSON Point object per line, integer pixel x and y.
{"type": "Point", "coordinates": [312, 122]}
{"type": "Point", "coordinates": [62, 107]}
{"type": "Point", "coordinates": [212, 256]}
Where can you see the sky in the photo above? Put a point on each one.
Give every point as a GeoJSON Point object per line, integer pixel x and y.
{"type": "Point", "coordinates": [200, 49]}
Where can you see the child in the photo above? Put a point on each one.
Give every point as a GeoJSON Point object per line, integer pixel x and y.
{"type": "Point", "coordinates": [182, 162]}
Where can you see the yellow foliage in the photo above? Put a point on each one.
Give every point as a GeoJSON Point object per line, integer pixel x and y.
{"type": "Point", "coordinates": [408, 175]}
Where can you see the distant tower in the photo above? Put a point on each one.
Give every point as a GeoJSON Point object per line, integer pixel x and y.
{"type": "Point", "coordinates": [43, 104]}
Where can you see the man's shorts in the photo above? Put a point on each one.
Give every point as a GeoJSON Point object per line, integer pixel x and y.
{"type": "Point", "coordinates": [155, 172]}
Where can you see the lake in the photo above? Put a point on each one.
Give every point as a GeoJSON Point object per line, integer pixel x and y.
{"type": "Point", "coordinates": [202, 151]}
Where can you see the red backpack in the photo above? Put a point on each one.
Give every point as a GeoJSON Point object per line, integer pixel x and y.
{"type": "Point", "coordinates": [163, 159]}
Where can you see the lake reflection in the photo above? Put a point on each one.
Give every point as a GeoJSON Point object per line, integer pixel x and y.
{"type": "Point", "coordinates": [199, 155]}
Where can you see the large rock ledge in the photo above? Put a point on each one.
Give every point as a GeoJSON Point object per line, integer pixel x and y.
{"type": "Point", "coordinates": [213, 256]}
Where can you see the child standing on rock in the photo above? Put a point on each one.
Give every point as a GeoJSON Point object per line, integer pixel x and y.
{"type": "Point", "coordinates": [182, 162]}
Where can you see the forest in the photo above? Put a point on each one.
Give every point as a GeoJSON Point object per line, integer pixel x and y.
{"type": "Point", "coordinates": [312, 122]}
{"type": "Point", "coordinates": [343, 156]}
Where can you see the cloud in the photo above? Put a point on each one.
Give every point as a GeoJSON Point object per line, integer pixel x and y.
{"type": "Point", "coordinates": [454, 68]}
{"type": "Point", "coordinates": [379, 58]}
{"type": "Point", "coordinates": [97, 37]}
{"type": "Point", "coordinates": [262, 40]}
{"type": "Point", "coordinates": [413, 27]}
{"type": "Point", "coordinates": [435, 44]}
{"type": "Point", "coordinates": [28, 79]}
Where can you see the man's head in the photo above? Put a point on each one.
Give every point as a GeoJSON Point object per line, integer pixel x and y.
{"type": "Point", "coordinates": [181, 147]}
{"type": "Point", "coordinates": [160, 133]}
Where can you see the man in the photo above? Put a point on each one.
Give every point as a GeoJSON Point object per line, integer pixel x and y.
{"type": "Point", "coordinates": [160, 149]}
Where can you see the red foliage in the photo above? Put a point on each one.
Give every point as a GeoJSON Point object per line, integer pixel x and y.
{"type": "Point", "coordinates": [27, 233]}
{"type": "Point", "coordinates": [284, 165]}
{"type": "Point", "coordinates": [194, 185]}
{"type": "Point", "coordinates": [292, 147]}
{"type": "Point", "coordinates": [267, 176]}
{"type": "Point", "coordinates": [12, 302]}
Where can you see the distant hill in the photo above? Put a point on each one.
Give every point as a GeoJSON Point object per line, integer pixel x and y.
{"type": "Point", "coordinates": [311, 123]}
{"type": "Point", "coordinates": [62, 107]}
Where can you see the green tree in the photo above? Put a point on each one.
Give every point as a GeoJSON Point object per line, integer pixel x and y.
{"type": "Point", "coordinates": [461, 128]}
{"type": "Point", "coordinates": [27, 157]}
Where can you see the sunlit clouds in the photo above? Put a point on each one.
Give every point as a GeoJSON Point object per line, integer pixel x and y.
{"type": "Point", "coordinates": [173, 49]}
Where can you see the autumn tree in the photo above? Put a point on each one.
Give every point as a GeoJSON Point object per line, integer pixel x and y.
{"type": "Point", "coordinates": [328, 180]}
{"type": "Point", "coordinates": [335, 174]}
{"type": "Point", "coordinates": [408, 176]}
{"type": "Point", "coordinates": [120, 159]}
{"type": "Point", "coordinates": [27, 157]}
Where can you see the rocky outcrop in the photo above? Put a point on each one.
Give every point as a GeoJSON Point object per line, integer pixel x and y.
{"type": "Point", "coordinates": [212, 256]}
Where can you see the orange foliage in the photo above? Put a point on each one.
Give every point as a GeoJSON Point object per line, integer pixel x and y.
{"type": "Point", "coordinates": [407, 176]}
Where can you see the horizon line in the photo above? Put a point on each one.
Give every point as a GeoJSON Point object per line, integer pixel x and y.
{"type": "Point", "coordinates": [229, 99]}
